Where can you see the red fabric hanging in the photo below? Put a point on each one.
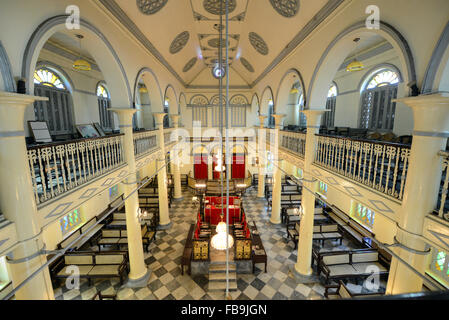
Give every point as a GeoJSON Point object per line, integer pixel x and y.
{"type": "Point", "coordinates": [200, 166]}
{"type": "Point", "coordinates": [238, 166]}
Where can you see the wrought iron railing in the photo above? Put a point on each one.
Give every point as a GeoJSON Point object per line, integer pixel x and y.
{"type": "Point", "coordinates": [293, 141]}
{"type": "Point", "coordinates": [59, 167]}
{"type": "Point", "coordinates": [381, 166]}
{"type": "Point", "coordinates": [144, 141]}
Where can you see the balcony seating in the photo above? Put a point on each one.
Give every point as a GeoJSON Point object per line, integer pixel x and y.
{"type": "Point", "coordinates": [340, 291]}
{"type": "Point", "coordinates": [352, 264]}
{"type": "Point", "coordinates": [93, 265]}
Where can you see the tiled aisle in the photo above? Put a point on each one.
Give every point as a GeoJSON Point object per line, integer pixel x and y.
{"type": "Point", "coordinates": [164, 259]}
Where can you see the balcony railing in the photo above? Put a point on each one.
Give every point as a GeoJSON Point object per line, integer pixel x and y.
{"type": "Point", "coordinates": [144, 141]}
{"type": "Point", "coordinates": [59, 167]}
{"type": "Point", "coordinates": [443, 202]}
{"type": "Point", "coordinates": [381, 166]}
{"type": "Point", "coordinates": [294, 141]}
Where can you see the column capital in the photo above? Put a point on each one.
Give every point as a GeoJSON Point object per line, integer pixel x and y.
{"type": "Point", "coordinates": [175, 119]}
{"type": "Point", "coordinates": [125, 116]}
{"type": "Point", "coordinates": [159, 116]}
{"type": "Point", "coordinates": [430, 113]}
{"type": "Point", "coordinates": [262, 118]}
{"type": "Point", "coordinates": [277, 119]}
{"type": "Point", "coordinates": [12, 110]}
{"type": "Point", "coordinates": [313, 117]}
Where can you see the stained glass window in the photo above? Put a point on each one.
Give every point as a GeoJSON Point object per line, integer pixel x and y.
{"type": "Point", "coordinates": [48, 78]}
{"type": "Point", "coordinates": [322, 188]}
{"type": "Point", "coordinates": [102, 92]}
{"type": "Point", "coordinates": [113, 192]}
{"type": "Point", "coordinates": [438, 267]}
{"type": "Point", "coordinates": [383, 78]}
{"type": "Point", "coordinates": [332, 91]}
{"type": "Point", "coordinates": [70, 221]}
{"type": "Point", "coordinates": [363, 215]}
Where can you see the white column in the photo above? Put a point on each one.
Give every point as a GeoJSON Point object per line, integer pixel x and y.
{"type": "Point", "coordinates": [17, 200]}
{"type": "Point", "coordinates": [261, 148]}
{"type": "Point", "coordinates": [174, 155]}
{"type": "Point", "coordinates": [139, 274]}
{"type": "Point", "coordinates": [430, 134]}
{"type": "Point", "coordinates": [277, 175]}
{"type": "Point", "coordinates": [303, 265]}
{"type": "Point", "coordinates": [162, 173]}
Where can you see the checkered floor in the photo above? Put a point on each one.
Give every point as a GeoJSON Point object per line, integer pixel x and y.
{"type": "Point", "coordinates": [164, 258]}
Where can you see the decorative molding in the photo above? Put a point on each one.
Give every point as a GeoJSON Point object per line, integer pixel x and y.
{"type": "Point", "coordinates": [313, 23]}
{"type": "Point", "coordinates": [435, 61]}
{"type": "Point", "coordinates": [6, 71]}
{"type": "Point", "coordinates": [286, 8]}
{"type": "Point", "coordinates": [193, 86]}
{"type": "Point", "coordinates": [55, 21]}
{"type": "Point", "coordinates": [120, 15]}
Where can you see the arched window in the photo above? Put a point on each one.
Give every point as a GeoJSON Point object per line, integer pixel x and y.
{"type": "Point", "coordinates": [378, 109]}
{"type": "Point", "coordinates": [104, 103]}
{"type": "Point", "coordinates": [329, 116]}
{"type": "Point", "coordinates": [271, 121]}
{"type": "Point", "coordinates": [57, 111]}
{"type": "Point", "coordinates": [167, 111]}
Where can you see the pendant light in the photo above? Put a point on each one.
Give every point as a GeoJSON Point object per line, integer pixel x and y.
{"type": "Point", "coordinates": [81, 64]}
{"type": "Point", "coordinates": [355, 65]}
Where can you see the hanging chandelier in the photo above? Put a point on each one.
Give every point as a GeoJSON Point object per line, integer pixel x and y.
{"type": "Point", "coordinates": [222, 240]}
{"type": "Point", "coordinates": [355, 65]}
{"type": "Point", "coordinates": [81, 64]}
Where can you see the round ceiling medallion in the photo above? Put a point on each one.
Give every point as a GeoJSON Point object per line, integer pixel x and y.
{"type": "Point", "coordinates": [286, 8]}
{"type": "Point", "coordinates": [246, 64]}
{"type": "Point", "coordinates": [258, 43]}
{"type": "Point", "coordinates": [150, 6]}
{"type": "Point", "coordinates": [218, 7]}
{"type": "Point", "coordinates": [189, 64]}
{"type": "Point", "coordinates": [179, 42]}
{"type": "Point", "coordinates": [215, 43]}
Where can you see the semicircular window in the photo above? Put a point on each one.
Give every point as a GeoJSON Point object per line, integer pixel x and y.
{"type": "Point", "coordinates": [383, 78]}
{"type": "Point", "coordinates": [179, 42]}
{"type": "Point", "coordinates": [48, 78]}
{"type": "Point", "coordinates": [218, 7]}
{"type": "Point", "coordinates": [286, 8]}
{"type": "Point", "coordinates": [189, 64]}
{"type": "Point", "coordinates": [246, 64]}
{"type": "Point", "coordinates": [150, 6]}
{"type": "Point", "coordinates": [258, 43]}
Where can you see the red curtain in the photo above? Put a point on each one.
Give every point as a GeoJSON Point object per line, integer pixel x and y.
{"type": "Point", "coordinates": [238, 166]}
{"type": "Point", "coordinates": [200, 166]}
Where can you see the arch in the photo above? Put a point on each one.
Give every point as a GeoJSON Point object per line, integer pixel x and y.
{"type": "Point", "coordinates": [436, 77]}
{"type": "Point", "coordinates": [200, 97]}
{"type": "Point", "coordinates": [152, 84]}
{"type": "Point", "coordinates": [182, 102]}
{"type": "Point", "coordinates": [256, 97]}
{"type": "Point", "coordinates": [57, 69]}
{"type": "Point", "coordinates": [266, 95]}
{"type": "Point", "coordinates": [170, 93]}
{"type": "Point", "coordinates": [374, 70]}
{"type": "Point", "coordinates": [334, 84]}
{"type": "Point", "coordinates": [6, 72]}
{"type": "Point", "coordinates": [203, 149]}
{"type": "Point", "coordinates": [236, 96]}
{"type": "Point", "coordinates": [215, 99]}
{"type": "Point", "coordinates": [283, 85]}
{"type": "Point", "coordinates": [102, 51]}
{"type": "Point", "coordinates": [339, 49]}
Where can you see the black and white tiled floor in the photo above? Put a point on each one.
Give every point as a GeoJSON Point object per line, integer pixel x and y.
{"type": "Point", "coordinates": [164, 260]}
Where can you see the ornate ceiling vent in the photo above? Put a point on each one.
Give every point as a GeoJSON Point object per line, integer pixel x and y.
{"type": "Point", "coordinates": [286, 8]}
{"type": "Point", "coordinates": [214, 6]}
{"type": "Point", "coordinates": [189, 64]}
{"type": "Point", "coordinates": [258, 43]}
{"type": "Point", "coordinates": [246, 64]}
{"type": "Point", "coordinates": [150, 6]}
{"type": "Point", "coordinates": [215, 43]}
{"type": "Point", "coordinates": [179, 42]}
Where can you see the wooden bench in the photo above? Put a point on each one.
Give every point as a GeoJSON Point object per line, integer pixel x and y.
{"type": "Point", "coordinates": [350, 227]}
{"type": "Point", "coordinates": [88, 236]}
{"type": "Point", "coordinates": [321, 232]}
{"type": "Point", "coordinates": [119, 219]}
{"type": "Point", "coordinates": [93, 265]}
{"type": "Point", "coordinates": [340, 291]}
{"type": "Point", "coordinates": [187, 254]}
{"type": "Point", "coordinates": [259, 255]}
{"type": "Point", "coordinates": [288, 200]}
{"type": "Point", "coordinates": [351, 264]}
{"type": "Point", "coordinates": [119, 237]}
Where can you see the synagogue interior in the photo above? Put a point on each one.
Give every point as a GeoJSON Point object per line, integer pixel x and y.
{"type": "Point", "coordinates": [224, 149]}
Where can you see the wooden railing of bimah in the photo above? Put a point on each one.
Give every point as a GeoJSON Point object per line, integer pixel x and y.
{"type": "Point", "coordinates": [293, 141]}
{"type": "Point", "coordinates": [144, 141]}
{"type": "Point", "coordinates": [442, 209]}
{"type": "Point", "coordinates": [59, 167]}
{"type": "Point", "coordinates": [379, 165]}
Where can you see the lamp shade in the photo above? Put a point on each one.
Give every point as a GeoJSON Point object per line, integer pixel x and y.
{"type": "Point", "coordinates": [82, 65]}
{"type": "Point", "coordinates": [355, 66]}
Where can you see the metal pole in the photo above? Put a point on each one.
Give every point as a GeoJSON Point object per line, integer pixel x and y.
{"type": "Point", "coordinates": [227, 148]}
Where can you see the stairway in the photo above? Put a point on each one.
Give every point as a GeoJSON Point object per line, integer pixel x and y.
{"type": "Point", "coordinates": [217, 276]}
